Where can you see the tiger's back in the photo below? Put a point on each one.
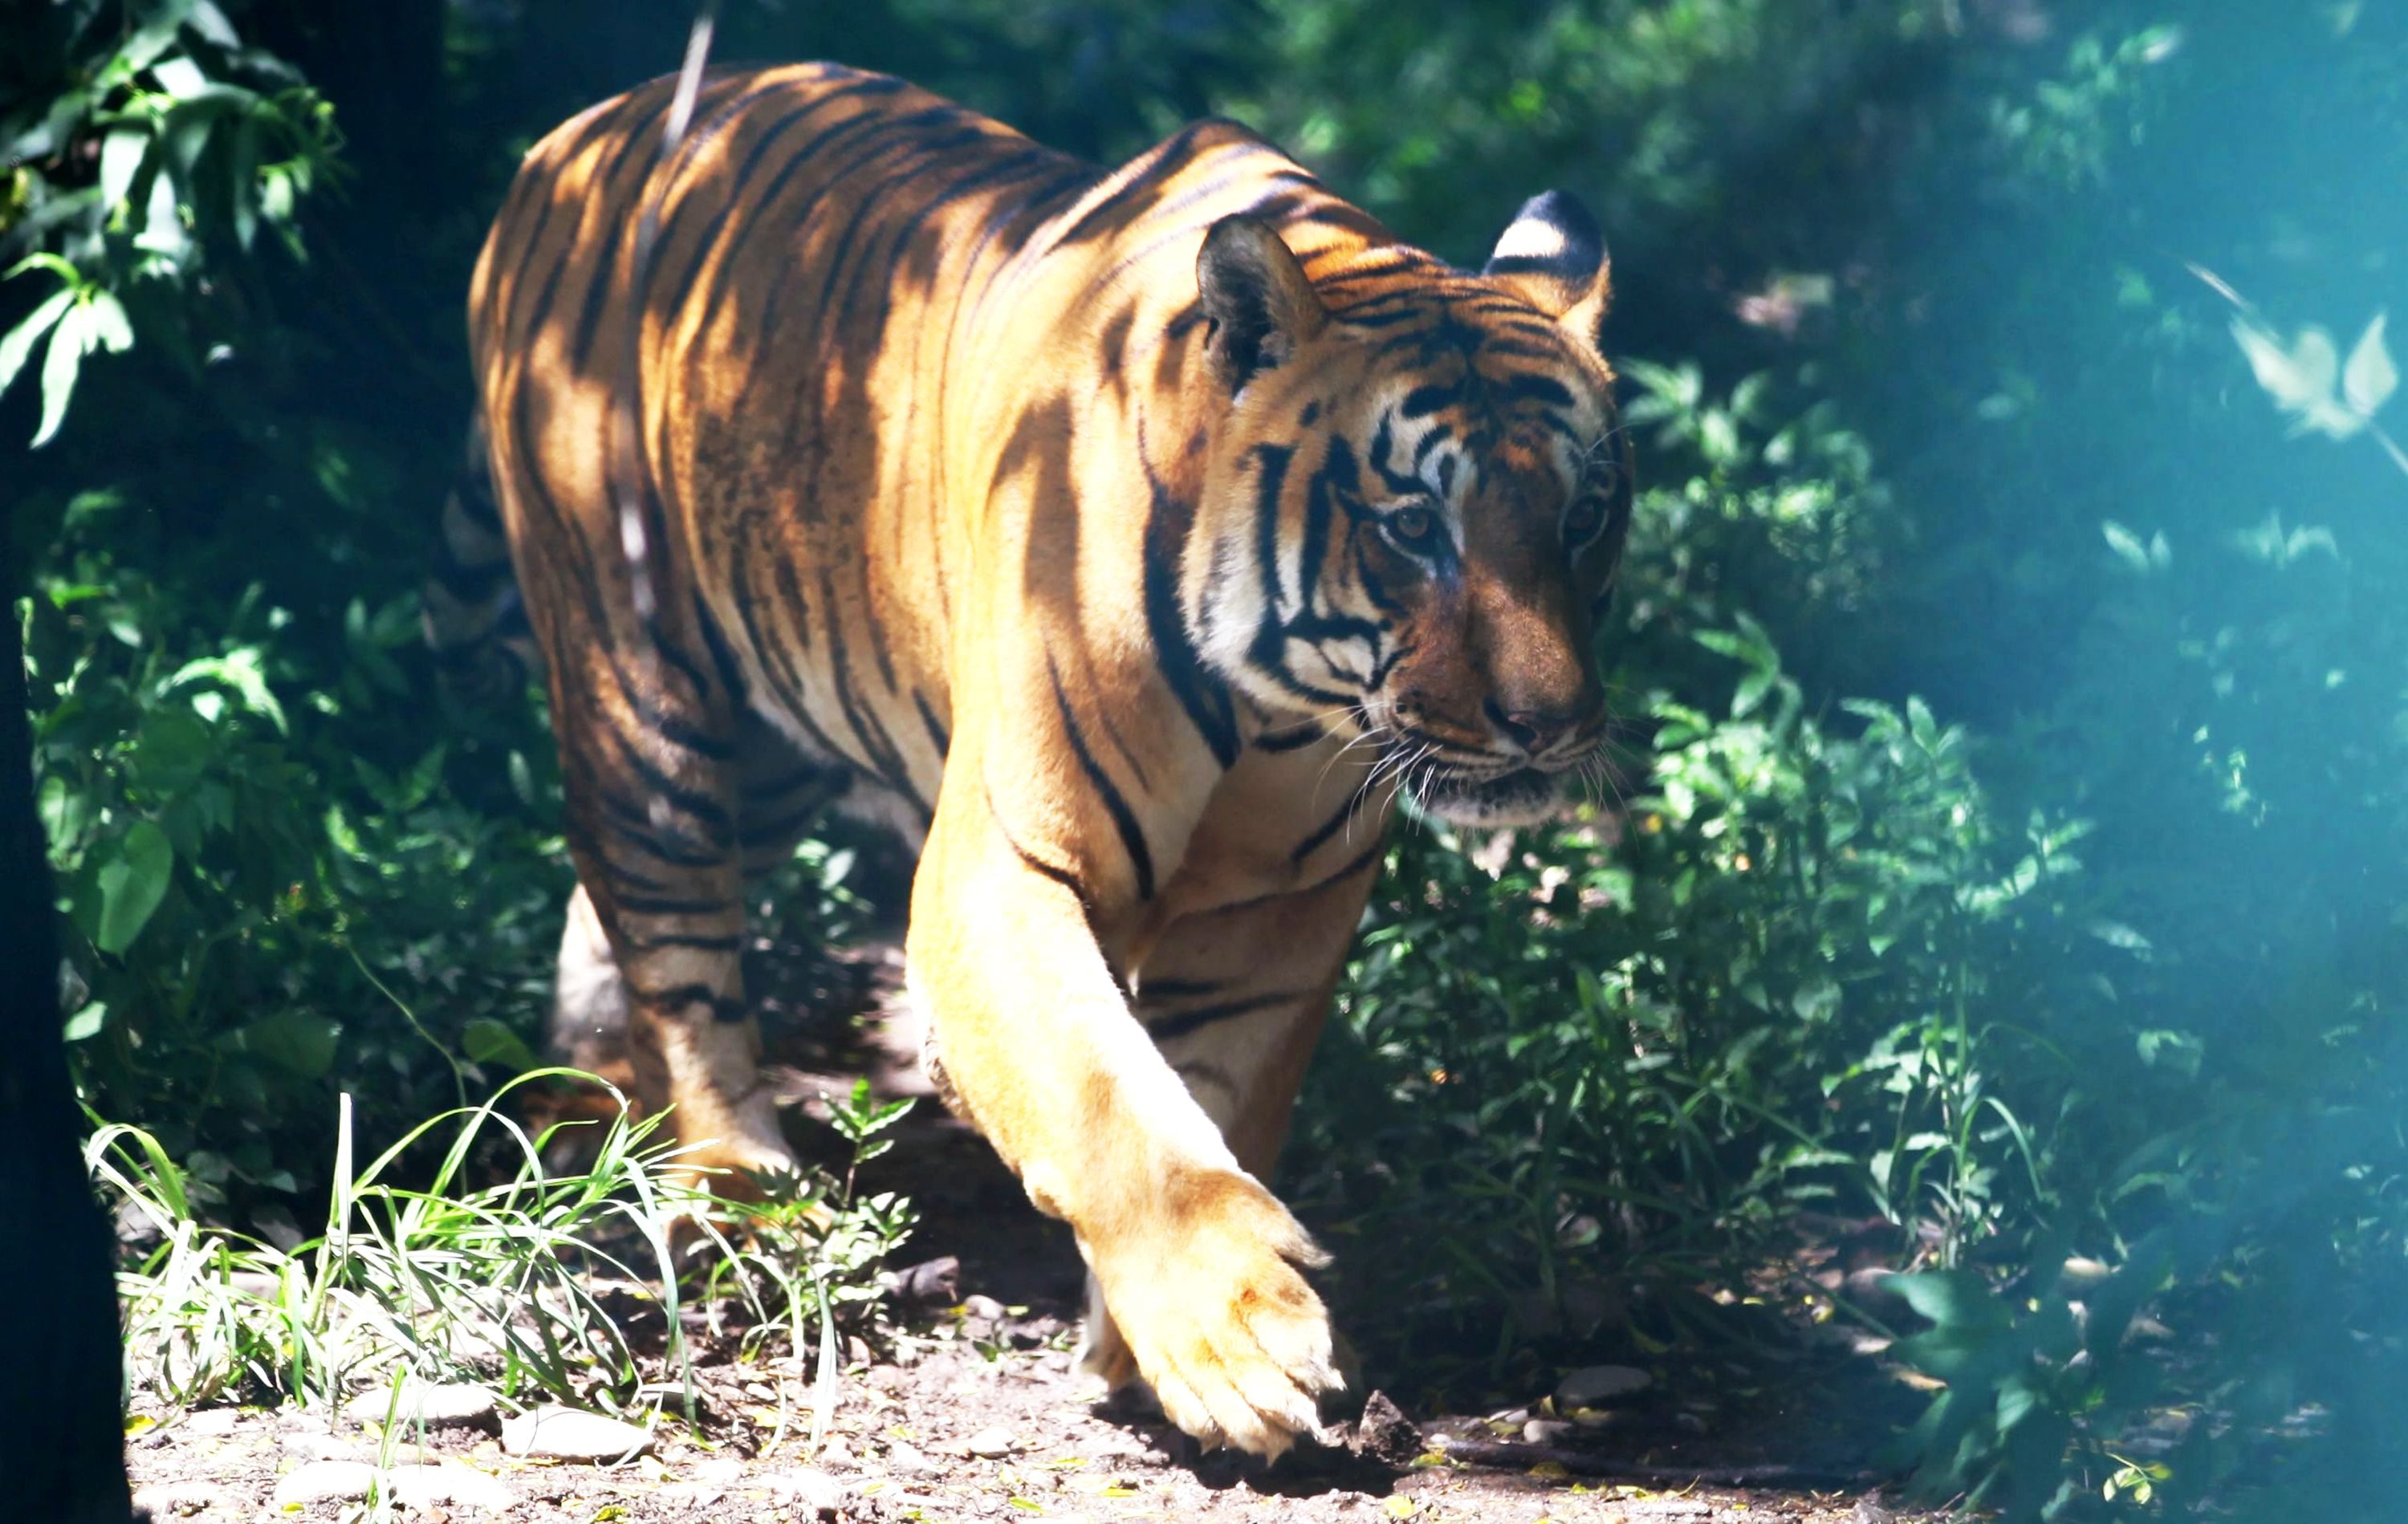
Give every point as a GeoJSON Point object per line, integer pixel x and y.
{"type": "Point", "coordinates": [854, 285]}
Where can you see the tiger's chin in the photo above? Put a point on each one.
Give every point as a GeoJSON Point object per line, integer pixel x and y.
{"type": "Point", "coordinates": [1524, 796]}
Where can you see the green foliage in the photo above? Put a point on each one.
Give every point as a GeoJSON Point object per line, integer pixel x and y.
{"type": "Point", "coordinates": [2010, 843]}
{"type": "Point", "coordinates": [507, 1283]}
{"type": "Point", "coordinates": [153, 138]}
{"type": "Point", "coordinates": [235, 867]}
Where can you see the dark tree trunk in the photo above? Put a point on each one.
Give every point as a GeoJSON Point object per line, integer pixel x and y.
{"type": "Point", "coordinates": [62, 1431]}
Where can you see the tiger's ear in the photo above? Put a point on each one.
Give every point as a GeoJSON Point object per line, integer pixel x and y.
{"type": "Point", "coordinates": [1255, 293]}
{"type": "Point", "coordinates": [1552, 257]}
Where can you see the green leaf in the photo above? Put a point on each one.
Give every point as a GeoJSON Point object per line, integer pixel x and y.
{"type": "Point", "coordinates": [59, 363]}
{"type": "Point", "coordinates": [2127, 545]}
{"type": "Point", "coordinates": [86, 1023]}
{"type": "Point", "coordinates": [17, 347]}
{"type": "Point", "coordinates": [2371, 378]}
{"type": "Point", "coordinates": [239, 670]}
{"type": "Point", "coordinates": [109, 322]}
{"type": "Point", "coordinates": [295, 1041]}
{"type": "Point", "coordinates": [1952, 1299]}
{"type": "Point", "coordinates": [487, 1041]}
{"type": "Point", "coordinates": [123, 153]}
{"type": "Point", "coordinates": [132, 884]}
{"type": "Point", "coordinates": [65, 811]}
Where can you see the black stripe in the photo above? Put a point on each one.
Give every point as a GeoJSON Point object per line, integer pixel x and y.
{"type": "Point", "coordinates": [1337, 475]}
{"type": "Point", "coordinates": [1331, 827]}
{"type": "Point", "coordinates": [1204, 1016]}
{"type": "Point", "coordinates": [679, 996]}
{"type": "Point", "coordinates": [884, 760]}
{"type": "Point", "coordinates": [703, 807]}
{"type": "Point", "coordinates": [1528, 388]}
{"type": "Point", "coordinates": [597, 290]}
{"type": "Point", "coordinates": [1123, 818]}
{"type": "Point", "coordinates": [692, 941]}
{"type": "Point", "coordinates": [1274, 459]}
{"type": "Point", "coordinates": [935, 727]}
{"type": "Point", "coordinates": [1202, 695]}
{"type": "Point", "coordinates": [1058, 873]}
{"type": "Point", "coordinates": [1290, 738]}
{"type": "Point", "coordinates": [1152, 988]}
{"type": "Point", "coordinates": [629, 905]}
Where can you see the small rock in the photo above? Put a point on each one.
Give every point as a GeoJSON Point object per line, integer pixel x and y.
{"type": "Point", "coordinates": [1593, 1386]}
{"type": "Point", "coordinates": [931, 1283]}
{"type": "Point", "coordinates": [309, 1446]}
{"type": "Point", "coordinates": [1547, 1431]}
{"type": "Point", "coordinates": [449, 1404]}
{"type": "Point", "coordinates": [720, 1473]}
{"type": "Point", "coordinates": [325, 1481]}
{"type": "Point", "coordinates": [905, 1457]}
{"type": "Point", "coordinates": [989, 1444]}
{"type": "Point", "coordinates": [210, 1420]}
{"type": "Point", "coordinates": [815, 1491]}
{"type": "Point", "coordinates": [1383, 1432]}
{"type": "Point", "coordinates": [983, 1306]}
{"type": "Point", "coordinates": [177, 1500]}
{"type": "Point", "coordinates": [461, 1486]}
{"type": "Point", "coordinates": [563, 1433]}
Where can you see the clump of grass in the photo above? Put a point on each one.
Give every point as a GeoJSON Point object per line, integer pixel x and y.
{"type": "Point", "coordinates": [521, 1284]}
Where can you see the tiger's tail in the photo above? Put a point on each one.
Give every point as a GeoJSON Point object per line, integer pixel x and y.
{"type": "Point", "coordinates": [474, 619]}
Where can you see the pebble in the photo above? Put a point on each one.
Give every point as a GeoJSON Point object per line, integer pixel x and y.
{"type": "Point", "coordinates": [461, 1486]}
{"type": "Point", "coordinates": [990, 1444]}
{"type": "Point", "coordinates": [447, 1405]}
{"type": "Point", "coordinates": [564, 1434]}
{"type": "Point", "coordinates": [320, 1447]}
{"type": "Point", "coordinates": [1547, 1430]}
{"type": "Point", "coordinates": [814, 1490]}
{"type": "Point", "coordinates": [179, 1500]}
{"type": "Point", "coordinates": [451, 1404]}
{"type": "Point", "coordinates": [210, 1420]}
{"type": "Point", "coordinates": [1592, 1385]}
{"type": "Point", "coordinates": [983, 1306]}
{"type": "Point", "coordinates": [325, 1481]}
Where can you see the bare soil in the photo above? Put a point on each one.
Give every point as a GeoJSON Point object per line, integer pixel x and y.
{"type": "Point", "coordinates": [971, 1409]}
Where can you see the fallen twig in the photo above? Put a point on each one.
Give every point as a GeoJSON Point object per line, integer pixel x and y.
{"type": "Point", "coordinates": [1507, 1455]}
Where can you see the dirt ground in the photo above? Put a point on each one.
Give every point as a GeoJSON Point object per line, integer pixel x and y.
{"type": "Point", "coordinates": [973, 1411]}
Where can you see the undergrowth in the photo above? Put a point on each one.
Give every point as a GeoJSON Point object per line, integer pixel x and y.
{"type": "Point", "coordinates": [541, 1283]}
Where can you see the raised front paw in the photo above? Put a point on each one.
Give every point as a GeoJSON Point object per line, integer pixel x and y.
{"type": "Point", "coordinates": [1206, 1304]}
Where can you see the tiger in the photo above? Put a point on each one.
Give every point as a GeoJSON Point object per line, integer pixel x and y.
{"type": "Point", "coordinates": [1135, 543]}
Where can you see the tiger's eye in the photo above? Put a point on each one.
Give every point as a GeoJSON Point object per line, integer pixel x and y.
{"type": "Point", "coordinates": [1413, 529]}
{"type": "Point", "coordinates": [1585, 518]}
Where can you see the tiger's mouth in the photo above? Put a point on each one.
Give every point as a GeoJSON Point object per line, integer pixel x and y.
{"type": "Point", "coordinates": [1515, 794]}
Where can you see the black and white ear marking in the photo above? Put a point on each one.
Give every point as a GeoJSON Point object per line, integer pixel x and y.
{"type": "Point", "coordinates": [1255, 293]}
{"type": "Point", "coordinates": [1553, 256]}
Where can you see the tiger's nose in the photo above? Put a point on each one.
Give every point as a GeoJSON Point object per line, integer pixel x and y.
{"type": "Point", "coordinates": [1537, 731]}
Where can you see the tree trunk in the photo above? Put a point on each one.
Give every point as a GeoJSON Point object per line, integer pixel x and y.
{"type": "Point", "coordinates": [61, 1430]}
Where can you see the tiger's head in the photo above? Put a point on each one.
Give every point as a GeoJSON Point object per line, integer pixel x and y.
{"type": "Point", "coordinates": [1415, 504]}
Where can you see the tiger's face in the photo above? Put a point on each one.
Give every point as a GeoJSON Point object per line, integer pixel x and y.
{"type": "Point", "coordinates": [1417, 507]}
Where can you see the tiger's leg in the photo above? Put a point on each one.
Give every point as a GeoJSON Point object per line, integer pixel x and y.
{"type": "Point", "coordinates": [1234, 999]}
{"type": "Point", "coordinates": [652, 781]}
{"type": "Point", "coordinates": [779, 793]}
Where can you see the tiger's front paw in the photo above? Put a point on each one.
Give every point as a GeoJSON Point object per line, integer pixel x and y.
{"type": "Point", "coordinates": [1212, 1309]}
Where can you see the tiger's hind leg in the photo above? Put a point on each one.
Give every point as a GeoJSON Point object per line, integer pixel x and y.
{"type": "Point", "coordinates": [779, 793]}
